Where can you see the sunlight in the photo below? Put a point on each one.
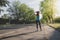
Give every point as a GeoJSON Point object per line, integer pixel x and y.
{"type": "Point", "coordinates": [57, 6]}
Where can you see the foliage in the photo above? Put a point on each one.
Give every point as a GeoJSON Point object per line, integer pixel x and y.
{"type": "Point", "coordinates": [47, 10]}
{"type": "Point", "coordinates": [3, 21]}
{"type": "Point", "coordinates": [21, 12]}
{"type": "Point", "coordinates": [13, 9]}
{"type": "Point", "coordinates": [3, 2]}
{"type": "Point", "coordinates": [27, 13]}
{"type": "Point", "coordinates": [1, 10]}
{"type": "Point", "coordinates": [5, 16]}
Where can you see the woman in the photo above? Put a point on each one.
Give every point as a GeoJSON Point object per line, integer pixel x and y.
{"type": "Point", "coordinates": [38, 19]}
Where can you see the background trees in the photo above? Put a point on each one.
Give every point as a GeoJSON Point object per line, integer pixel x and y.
{"type": "Point", "coordinates": [26, 13]}
{"type": "Point", "coordinates": [3, 3]}
{"type": "Point", "coordinates": [21, 12]}
{"type": "Point", "coordinates": [14, 10]}
{"type": "Point", "coordinates": [47, 10]}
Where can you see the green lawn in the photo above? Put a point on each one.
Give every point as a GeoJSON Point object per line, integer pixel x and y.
{"type": "Point", "coordinates": [55, 25]}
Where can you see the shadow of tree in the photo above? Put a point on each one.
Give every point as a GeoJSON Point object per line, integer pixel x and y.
{"type": "Point", "coordinates": [55, 35]}
{"type": "Point", "coordinates": [18, 35]}
{"type": "Point", "coordinates": [58, 28]}
{"type": "Point", "coordinates": [38, 38]}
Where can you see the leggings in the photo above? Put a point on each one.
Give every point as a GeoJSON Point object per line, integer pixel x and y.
{"type": "Point", "coordinates": [38, 23]}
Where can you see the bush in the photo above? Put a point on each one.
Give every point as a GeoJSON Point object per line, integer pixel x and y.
{"type": "Point", "coordinates": [3, 21]}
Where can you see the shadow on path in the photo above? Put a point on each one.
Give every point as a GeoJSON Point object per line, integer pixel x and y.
{"type": "Point", "coordinates": [18, 35]}
{"type": "Point", "coordinates": [55, 35]}
{"type": "Point", "coordinates": [38, 38]}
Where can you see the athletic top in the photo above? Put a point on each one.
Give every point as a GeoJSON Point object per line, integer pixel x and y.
{"type": "Point", "coordinates": [38, 18]}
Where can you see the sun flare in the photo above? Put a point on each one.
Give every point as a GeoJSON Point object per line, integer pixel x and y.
{"type": "Point", "coordinates": [57, 6]}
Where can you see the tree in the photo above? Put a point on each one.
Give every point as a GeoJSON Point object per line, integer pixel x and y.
{"type": "Point", "coordinates": [3, 2]}
{"type": "Point", "coordinates": [47, 10]}
{"type": "Point", "coordinates": [14, 9]}
{"type": "Point", "coordinates": [26, 13]}
{"type": "Point", "coordinates": [21, 11]}
{"type": "Point", "coordinates": [5, 16]}
{"type": "Point", "coordinates": [1, 10]}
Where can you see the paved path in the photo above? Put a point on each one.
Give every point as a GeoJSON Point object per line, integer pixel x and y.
{"type": "Point", "coordinates": [28, 33]}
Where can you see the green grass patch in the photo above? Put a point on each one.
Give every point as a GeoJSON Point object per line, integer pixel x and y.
{"type": "Point", "coordinates": [56, 26]}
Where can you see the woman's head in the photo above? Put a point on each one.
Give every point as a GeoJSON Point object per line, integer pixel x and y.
{"type": "Point", "coordinates": [37, 12]}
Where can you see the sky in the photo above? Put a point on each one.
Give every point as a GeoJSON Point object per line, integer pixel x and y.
{"type": "Point", "coordinates": [57, 6]}
{"type": "Point", "coordinates": [31, 3]}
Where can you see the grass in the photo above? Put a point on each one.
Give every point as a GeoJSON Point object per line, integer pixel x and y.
{"type": "Point", "coordinates": [56, 26]}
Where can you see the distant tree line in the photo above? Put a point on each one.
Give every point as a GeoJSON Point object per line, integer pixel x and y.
{"type": "Point", "coordinates": [18, 13]}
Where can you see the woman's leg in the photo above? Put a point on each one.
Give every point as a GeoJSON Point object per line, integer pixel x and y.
{"type": "Point", "coordinates": [37, 25]}
{"type": "Point", "coordinates": [40, 25]}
